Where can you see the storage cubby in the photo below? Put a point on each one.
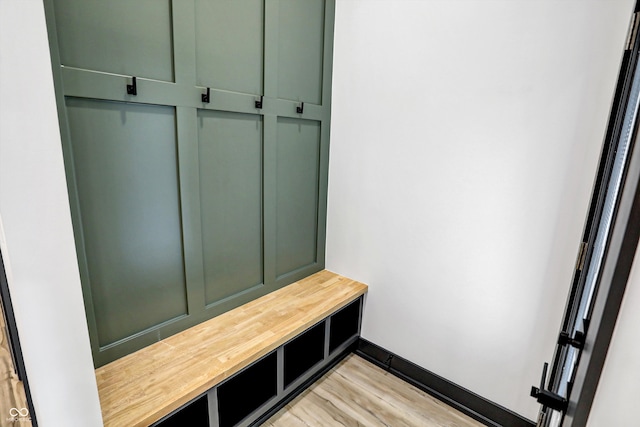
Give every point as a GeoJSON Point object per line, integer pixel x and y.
{"type": "Point", "coordinates": [195, 414]}
{"type": "Point", "coordinates": [344, 325]}
{"type": "Point", "coordinates": [303, 352]}
{"type": "Point", "coordinates": [247, 391]}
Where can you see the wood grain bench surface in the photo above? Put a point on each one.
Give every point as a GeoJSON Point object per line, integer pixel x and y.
{"type": "Point", "coordinates": [144, 386]}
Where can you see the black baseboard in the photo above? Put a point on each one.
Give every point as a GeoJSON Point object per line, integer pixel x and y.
{"type": "Point", "coordinates": [467, 402]}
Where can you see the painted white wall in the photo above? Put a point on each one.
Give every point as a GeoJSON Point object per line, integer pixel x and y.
{"type": "Point", "coordinates": [35, 227]}
{"type": "Point", "coordinates": [618, 393]}
{"type": "Point", "coordinates": [465, 138]}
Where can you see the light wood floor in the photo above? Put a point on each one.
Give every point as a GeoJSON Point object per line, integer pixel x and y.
{"type": "Point", "coordinates": [13, 401]}
{"type": "Point", "coordinates": [357, 393]}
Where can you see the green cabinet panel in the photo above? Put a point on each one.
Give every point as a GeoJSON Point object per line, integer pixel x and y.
{"type": "Point", "coordinates": [229, 44]}
{"type": "Point", "coordinates": [117, 36]}
{"type": "Point", "coordinates": [230, 158]}
{"type": "Point", "coordinates": [183, 209]}
{"type": "Point", "coordinates": [300, 50]}
{"type": "Point", "coordinates": [297, 175]}
{"type": "Point", "coordinates": [125, 162]}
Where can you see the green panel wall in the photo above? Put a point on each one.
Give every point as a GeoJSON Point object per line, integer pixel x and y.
{"type": "Point", "coordinates": [126, 172]}
{"type": "Point", "coordinates": [300, 47]}
{"type": "Point", "coordinates": [297, 194]}
{"type": "Point", "coordinates": [229, 44]}
{"type": "Point", "coordinates": [117, 36]}
{"type": "Point", "coordinates": [230, 146]}
{"type": "Point", "coordinates": [183, 209]}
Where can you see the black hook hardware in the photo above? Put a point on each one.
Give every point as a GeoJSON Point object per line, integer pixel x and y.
{"type": "Point", "coordinates": [577, 341]}
{"type": "Point", "coordinates": [300, 108]}
{"type": "Point", "coordinates": [206, 97]}
{"type": "Point", "coordinates": [132, 89]}
{"type": "Point", "coordinates": [259, 102]}
{"type": "Point", "coordinates": [547, 398]}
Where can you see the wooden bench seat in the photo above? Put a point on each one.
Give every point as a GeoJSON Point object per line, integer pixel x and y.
{"type": "Point", "coordinates": [141, 388]}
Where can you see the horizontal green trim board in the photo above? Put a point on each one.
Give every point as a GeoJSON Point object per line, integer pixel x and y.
{"type": "Point", "coordinates": [113, 87]}
{"type": "Point", "coordinates": [465, 401]}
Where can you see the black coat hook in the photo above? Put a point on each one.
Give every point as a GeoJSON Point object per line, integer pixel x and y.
{"type": "Point", "coordinates": [300, 108]}
{"type": "Point", "coordinates": [259, 102]}
{"type": "Point", "coordinates": [206, 97]}
{"type": "Point", "coordinates": [132, 89]}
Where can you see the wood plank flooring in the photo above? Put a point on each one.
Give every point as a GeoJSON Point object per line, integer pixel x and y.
{"type": "Point", "coordinates": [358, 393]}
{"type": "Point", "coordinates": [13, 400]}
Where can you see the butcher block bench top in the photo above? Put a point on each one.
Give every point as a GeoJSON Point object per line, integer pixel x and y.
{"type": "Point", "coordinates": [142, 387]}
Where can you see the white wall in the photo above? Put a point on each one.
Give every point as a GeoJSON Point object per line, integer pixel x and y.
{"type": "Point", "coordinates": [35, 227]}
{"type": "Point", "coordinates": [618, 393]}
{"type": "Point", "coordinates": [465, 137]}
{"type": "Point", "coordinates": [464, 141]}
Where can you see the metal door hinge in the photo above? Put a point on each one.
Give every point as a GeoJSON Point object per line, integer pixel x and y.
{"type": "Point", "coordinates": [547, 398]}
{"type": "Point", "coordinates": [633, 29]}
{"type": "Point", "coordinates": [582, 254]}
{"type": "Point", "coordinates": [577, 341]}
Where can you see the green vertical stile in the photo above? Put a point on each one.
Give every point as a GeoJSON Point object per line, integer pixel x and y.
{"type": "Point", "coordinates": [327, 74]}
{"type": "Point", "coordinates": [184, 53]}
{"type": "Point", "coordinates": [74, 205]}
{"type": "Point", "coordinates": [270, 137]}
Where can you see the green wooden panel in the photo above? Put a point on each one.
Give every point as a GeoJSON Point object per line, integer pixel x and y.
{"type": "Point", "coordinates": [229, 44]}
{"type": "Point", "coordinates": [300, 50]}
{"type": "Point", "coordinates": [117, 36]}
{"type": "Point", "coordinates": [125, 160]}
{"type": "Point", "coordinates": [166, 189]}
{"type": "Point", "coordinates": [297, 167]}
{"type": "Point", "coordinates": [231, 201]}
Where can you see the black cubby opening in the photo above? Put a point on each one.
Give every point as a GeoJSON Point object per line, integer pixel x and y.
{"type": "Point", "coordinates": [304, 351]}
{"type": "Point", "coordinates": [344, 325]}
{"type": "Point", "coordinates": [247, 391]}
{"type": "Point", "coordinates": [195, 414]}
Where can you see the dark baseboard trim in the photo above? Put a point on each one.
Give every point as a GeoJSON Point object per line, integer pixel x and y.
{"type": "Point", "coordinates": [467, 402]}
